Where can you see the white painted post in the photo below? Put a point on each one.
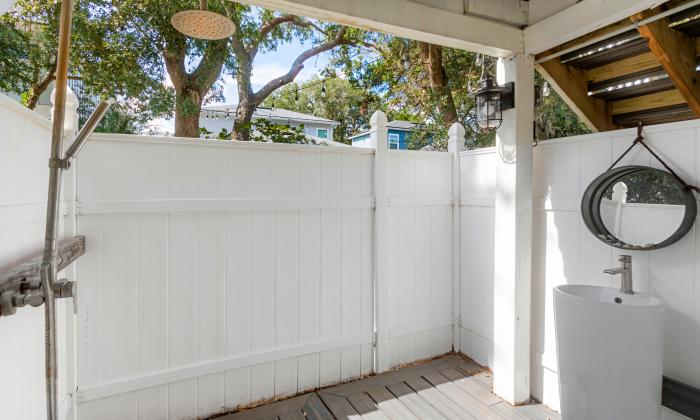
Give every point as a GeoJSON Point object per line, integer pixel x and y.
{"type": "Point", "coordinates": [513, 235]}
{"type": "Point", "coordinates": [378, 138]}
{"type": "Point", "coordinates": [455, 145]}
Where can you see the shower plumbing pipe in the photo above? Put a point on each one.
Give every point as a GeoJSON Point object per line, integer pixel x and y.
{"type": "Point", "coordinates": [56, 166]}
{"type": "Point", "coordinates": [87, 129]}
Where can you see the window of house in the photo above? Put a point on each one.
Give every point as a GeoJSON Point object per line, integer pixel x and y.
{"type": "Point", "coordinates": [322, 133]}
{"type": "Point", "coordinates": [393, 141]}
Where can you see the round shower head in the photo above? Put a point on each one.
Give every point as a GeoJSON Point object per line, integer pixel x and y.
{"type": "Point", "coordinates": [203, 24]}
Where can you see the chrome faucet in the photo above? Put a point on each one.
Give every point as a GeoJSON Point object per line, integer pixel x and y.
{"type": "Point", "coordinates": [626, 271]}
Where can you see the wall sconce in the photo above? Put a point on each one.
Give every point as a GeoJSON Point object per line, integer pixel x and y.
{"type": "Point", "coordinates": [491, 100]}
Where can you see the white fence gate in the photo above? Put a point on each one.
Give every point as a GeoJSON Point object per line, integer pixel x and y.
{"type": "Point", "coordinates": [219, 274]}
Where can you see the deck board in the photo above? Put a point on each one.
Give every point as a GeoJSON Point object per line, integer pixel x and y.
{"type": "Point", "coordinates": [451, 387]}
{"type": "Point", "coordinates": [366, 407]}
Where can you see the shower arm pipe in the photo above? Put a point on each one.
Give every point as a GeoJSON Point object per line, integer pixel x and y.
{"type": "Point", "coordinates": [50, 255]}
{"type": "Point", "coordinates": [87, 129]}
{"type": "Point", "coordinates": [627, 28]}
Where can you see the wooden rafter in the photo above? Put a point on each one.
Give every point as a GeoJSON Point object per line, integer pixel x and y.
{"type": "Point", "coordinates": [572, 85]}
{"type": "Point", "coordinates": [651, 101]}
{"type": "Point", "coordinates": [676, 52]}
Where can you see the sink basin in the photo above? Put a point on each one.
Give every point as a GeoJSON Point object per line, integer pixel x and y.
{"type": "Point", "coordinates": [610, 353]}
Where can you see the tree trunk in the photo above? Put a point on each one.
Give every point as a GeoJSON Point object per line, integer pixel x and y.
{"type": "Point", "coordinates": [431, 56]}
{"type": "Point", "coordinates": [187, 108]}
{"type": "Point", "coordinates": [39, 88]}
{"type": "Point", "coordinates": [244, 117]}
{"type": "Point", "coordinates": [191, 88]}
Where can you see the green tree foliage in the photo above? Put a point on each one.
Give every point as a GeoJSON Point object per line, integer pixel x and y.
{"type": "Point", "coordinates": [342, 102]}
{"type": "Point", "coordinates": [553, 118]}
{"type": "Point", "coordinates": [28, 42]}
{"type": "Point", "coordinates": [429, 84]}
{"type": "Point", "coordinates": [267, 31]}
{"type": "Point", "coordinates": [122, 121]}
{"type": "Point", "coordinates": [128, 49]}
{"type": "Point", "coordinates": [419, 82]}
{"type": "Point", "coordinates": [265, 130]}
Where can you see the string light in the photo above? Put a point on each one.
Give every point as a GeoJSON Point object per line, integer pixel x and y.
{"type": "Point", "coordinates": [321, 82]}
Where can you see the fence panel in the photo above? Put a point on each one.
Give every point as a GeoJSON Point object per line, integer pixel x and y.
{"type": "Point", "coordinates": [420, 255]}
{"type": "Point", "coordinates": [219, 274]}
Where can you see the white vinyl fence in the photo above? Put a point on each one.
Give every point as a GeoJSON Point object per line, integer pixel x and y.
{"type": "Point", "coordinates": [24, 153]}
{"type": "Point", "coordinates": [565, 252]}
{"type": "Point", "coordinates": [219, 274]}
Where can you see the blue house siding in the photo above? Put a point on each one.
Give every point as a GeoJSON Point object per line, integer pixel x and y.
{"type": "Point", "coordinates": [403, 138]}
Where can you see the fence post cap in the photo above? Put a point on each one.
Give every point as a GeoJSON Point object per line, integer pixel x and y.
{"type": "Point", "coordinates": [456, 130]}
{"type": "Point", "coordinates": [379, 118]}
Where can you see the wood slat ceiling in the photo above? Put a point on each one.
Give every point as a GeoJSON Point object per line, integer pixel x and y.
{"type": "Point", "coordinates": [647, 74]}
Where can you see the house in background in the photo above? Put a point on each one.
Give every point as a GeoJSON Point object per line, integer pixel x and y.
{"type": "Point", "coordinates": [399, 132]}
{"type": "Point", "coordinates": [217, 117]}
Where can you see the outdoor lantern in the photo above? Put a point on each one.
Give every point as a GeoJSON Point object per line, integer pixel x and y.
{"type": "Point", "coordinates": [491, 100]}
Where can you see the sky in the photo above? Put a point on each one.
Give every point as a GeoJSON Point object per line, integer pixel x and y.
{"type": "Point", "coordinates": [266, 67]}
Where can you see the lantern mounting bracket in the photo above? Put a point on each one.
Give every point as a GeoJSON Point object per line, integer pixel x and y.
{"type": "Point", "coordinates": [508, 96]}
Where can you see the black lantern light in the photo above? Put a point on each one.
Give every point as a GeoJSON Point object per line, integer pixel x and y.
{"type": "Point", "coordinates": [491, 100]}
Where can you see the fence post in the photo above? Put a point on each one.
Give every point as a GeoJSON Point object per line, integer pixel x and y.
{"type": "Point", "coordinates": [378, 138]}
{"type": "Point", "coordinates": [455, 145]}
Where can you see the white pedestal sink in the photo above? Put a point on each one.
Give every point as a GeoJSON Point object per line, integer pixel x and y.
{"type": "Point", "coordinates": [610, 353]}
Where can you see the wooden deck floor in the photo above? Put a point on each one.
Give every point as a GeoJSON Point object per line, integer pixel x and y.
{"type": "Point", "coordinates": [451, 387]}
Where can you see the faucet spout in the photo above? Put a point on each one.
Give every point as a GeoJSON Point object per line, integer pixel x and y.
{"type": "Point", "coordinates": [625, 270]}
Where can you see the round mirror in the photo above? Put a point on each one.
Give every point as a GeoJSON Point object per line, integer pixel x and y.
{"type": "Point", "coordinates": [638, 208]}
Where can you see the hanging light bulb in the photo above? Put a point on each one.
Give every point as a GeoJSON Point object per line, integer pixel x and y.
{"type": "Point", "coordinates": [323, 89]}
{"type": "Point", "coordinates": [545, 89]}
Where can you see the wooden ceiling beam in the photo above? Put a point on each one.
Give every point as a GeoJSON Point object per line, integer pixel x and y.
{"type": "Point", "coordinates": [651, 101]}
{"type": "Point", "coordinates": [676, 52]}
{"type": "Point", "coordinates": [572, 85]}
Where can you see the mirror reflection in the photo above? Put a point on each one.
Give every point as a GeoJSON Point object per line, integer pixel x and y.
{"type": "Point", "coordinates": [642, 209]}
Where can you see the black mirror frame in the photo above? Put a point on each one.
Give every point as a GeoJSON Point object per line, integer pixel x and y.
{"type": "Point", "coordinates": [590, 208]}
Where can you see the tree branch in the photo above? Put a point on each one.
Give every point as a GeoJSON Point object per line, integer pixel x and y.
{"type": "Point", "coordinates": [209, 69]}
{"type": "Point", "coordinates": [298, 65]}
{"type": "Point", "coordinates": [271, 25]}
{"type": "Point", "coordinates": [239, 48]}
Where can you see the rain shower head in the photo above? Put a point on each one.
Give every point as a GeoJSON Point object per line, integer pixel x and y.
{"type": "Point", "coordinates": [203, 24]}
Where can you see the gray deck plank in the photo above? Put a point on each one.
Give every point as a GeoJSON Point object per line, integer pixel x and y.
{"type": "Point", "coordinates": [417, 404]}
{"type": "Point", "coordinates": [339, 406]}
{"type": "Point", "coordinates": [393, 408]}
{"type": "Point", "coordinates": [508, 412]}
{"type": "Point", "coordinates": [538, 412]}
{"type": "Point", "coordinates": [460, 396]}
{"type": "Point", "coordinates": [366, 407]}
{"type": "Point", "coordinates": [437, 399]}
{"type": "Point", "coordinates": [451, 387]}
{"type": "Point", "coordinates": [293, 415]}
{"type": "Point", "coordinates": [470, 385]}
{"type": "Point", "coordinates": [316, 410]}
{"type": "Point", "coordinates": [387, 378]}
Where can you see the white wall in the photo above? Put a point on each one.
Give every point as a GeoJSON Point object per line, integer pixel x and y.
{"type": "Point", "coordinates": [219, 274]}
{"type": "Point", "coordinates": [564, 251]}
{"type": "Point", "coordinates": [24, 153]}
